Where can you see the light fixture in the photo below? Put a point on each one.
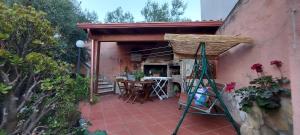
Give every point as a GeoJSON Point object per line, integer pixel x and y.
{"type": "Point", "coordinates": [79, 43]}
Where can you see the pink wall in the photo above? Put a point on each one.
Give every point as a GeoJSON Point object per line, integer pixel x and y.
{"type": "Point", "coordinates": [269, 23]}
{"type": "Point", "coordinates": [114, 57]}
{"type": "Point", "coordinates": [109, 59]}
{"type": "Point", "coordinates": [294, 57]}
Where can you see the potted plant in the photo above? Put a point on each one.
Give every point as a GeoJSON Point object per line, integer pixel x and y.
{"type": "Point", "coordinates": [176, 89]}
{"type": "Point", "coordinates": [262, 100]}
{"type": "Point", "coordinates": [264, 91]}
{"type": "Point", "coordinates": [138, 75]}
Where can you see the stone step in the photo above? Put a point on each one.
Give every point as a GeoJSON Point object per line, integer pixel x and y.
{"type": "Point", "coordinates": [101, 80]}
{"type": "Point", "coordinates": [105, 91]}
{"type": "Point", "coordinates": [105, 86]}
{"type": "Point", "coordinates": [103, 83]}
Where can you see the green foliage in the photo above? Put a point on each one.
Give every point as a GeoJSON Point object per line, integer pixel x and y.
{"type": "Point", "coordinates": [95, 99]}
{"type": "Point", "coordinates": [6, 56]}
{"type": "Point", "coordinates": [42, 63]}
{"type": "Point", "coordinates": [118, 16]}
{"type": "Point", "coordinates": [138, 75]}
{"type": "Point", "coordinates": [69, 91]}
{"type": "Point", "coordinates": [6, 27]}
{"type": "Point", "coordinates": [47, 94]}
{"type": "Point", "coordinates": [154, 12]}
{"type": "Point", "coordinates": [178, 8]}
{"type": "Point", "coordinates": [265, 91]}
{"type": "Point", "coordinates": [28, 28]}
{"type": "Point", "coordinates": [63, 16]}
{"type": "Point", "coordinates": [2, 132]}
{"type": "Point", "coordinates": [4, 89]}
{"type": "Point", "coordinates": [64, 119]}
{"type": "Point", "coordinates": [81, 90]}
{"type": "Point", "coordinates": [176, 88]}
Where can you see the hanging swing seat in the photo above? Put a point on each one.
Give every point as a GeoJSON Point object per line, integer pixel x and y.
{"type": "Point", "coordinates": [206, 93]}
{"type": "Point", "coordinates": [211, 107]}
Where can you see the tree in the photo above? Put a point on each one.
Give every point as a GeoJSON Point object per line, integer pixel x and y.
{"type": "Point", "coordinates": [154, 12]}
{"type": "Point", "coordinates": [36, 91]}
{"type": "Point", "coordinates": [178, 8]}
{"type": "Point", "coordinates": [63, 16]}
{"type": "Point", "coordinates": [118, 16]}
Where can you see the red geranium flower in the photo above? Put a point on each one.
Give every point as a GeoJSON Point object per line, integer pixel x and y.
{"type": "Point", "coordinates": [230, 87]}
{"type": "Point", "coordinates": [257, 67]}
{"type": "Point", "coordinates": [277, 63]}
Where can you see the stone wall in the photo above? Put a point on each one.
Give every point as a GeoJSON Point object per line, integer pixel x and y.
{"type": "Point", "coordinates": [269, 23]}
{"type": "Point", "coordinates": [259, 122]}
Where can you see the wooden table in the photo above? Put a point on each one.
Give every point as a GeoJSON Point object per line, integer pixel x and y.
{"type": "Point", "coordinates": [146, 87]}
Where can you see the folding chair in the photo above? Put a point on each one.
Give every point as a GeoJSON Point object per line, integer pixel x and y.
{"type": "Point", "coordinates": [135, 90]}
{"type": "Point", "coordinates": [122, 84]}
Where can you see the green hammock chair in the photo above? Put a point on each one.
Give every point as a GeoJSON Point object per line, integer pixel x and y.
{"type": "Point", "coordinates": [202, 62]}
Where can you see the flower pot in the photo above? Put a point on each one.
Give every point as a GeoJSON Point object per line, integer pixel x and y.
{"type": "Point", "coordinates": [156, 75]}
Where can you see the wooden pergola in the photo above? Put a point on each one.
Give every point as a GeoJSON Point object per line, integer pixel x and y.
{"type": "Point", "coordinates": [183, 46]}
{"type": "Point", "coordinates": [136, 32]}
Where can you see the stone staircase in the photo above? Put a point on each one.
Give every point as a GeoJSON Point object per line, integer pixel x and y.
{"type": "Point", "coordinates": [104, 86]}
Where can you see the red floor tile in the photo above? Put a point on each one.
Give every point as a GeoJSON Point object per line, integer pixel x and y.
{"type": "Point", "coordinates": [98, 124]}
{"type": "Point", "coordinates": [184, 131]}
{"type": "Point", "coordinates": [225, 131]}
{"type": "Point", "coordinates": [169, 125]}
{"type": "Point", "coordinates": [157, 129]}
{"type": "Point", "coordinates": [115, 127]}
{"type": "Point", "coordinates": [140, 131]}
{"type": "Point", "coordinates": [121, 132]}
{"type": "Point", "coordinates": [151, 118]}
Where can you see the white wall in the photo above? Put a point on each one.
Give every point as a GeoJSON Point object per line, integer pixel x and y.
{"type": "Point", "coordinates": [216, 9]}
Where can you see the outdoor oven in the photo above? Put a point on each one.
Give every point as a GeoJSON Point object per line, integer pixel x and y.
{"type": "Point", "coordinates": [165, 69]}
{"type": "Point", "coordinates": [153, 67]}
{"type": "Point", "coordinates": [158, 70]}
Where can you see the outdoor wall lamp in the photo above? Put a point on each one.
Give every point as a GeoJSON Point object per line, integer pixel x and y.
{"type": "Point", "coordinates": [79, 45]}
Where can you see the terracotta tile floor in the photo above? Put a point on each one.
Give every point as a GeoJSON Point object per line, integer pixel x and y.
{"type": "Point", "coordinates": [151, 118]}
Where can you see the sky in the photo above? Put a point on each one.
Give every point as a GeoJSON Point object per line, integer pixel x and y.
{"type": "Point", "coordinates": [101, 7]}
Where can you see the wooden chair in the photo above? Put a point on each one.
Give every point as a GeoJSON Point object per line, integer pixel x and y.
{"type": "Point", "coordinates": [135, 91]}
{"type": "Point", "coordinates": [138, 92]}
{"type": "Point", "coordinates": [123, 87]}
{"type": "Point", "coordinates": [130, 87]}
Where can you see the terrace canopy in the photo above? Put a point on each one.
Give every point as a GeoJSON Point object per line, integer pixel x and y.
{"type": "Point", "coordinates": [134, 33]}
{"type": "Point", "coordinates": [185, 45]}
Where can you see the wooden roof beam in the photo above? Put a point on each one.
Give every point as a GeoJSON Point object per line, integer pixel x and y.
{"type": "Point", "coordinates": [129, 37]}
